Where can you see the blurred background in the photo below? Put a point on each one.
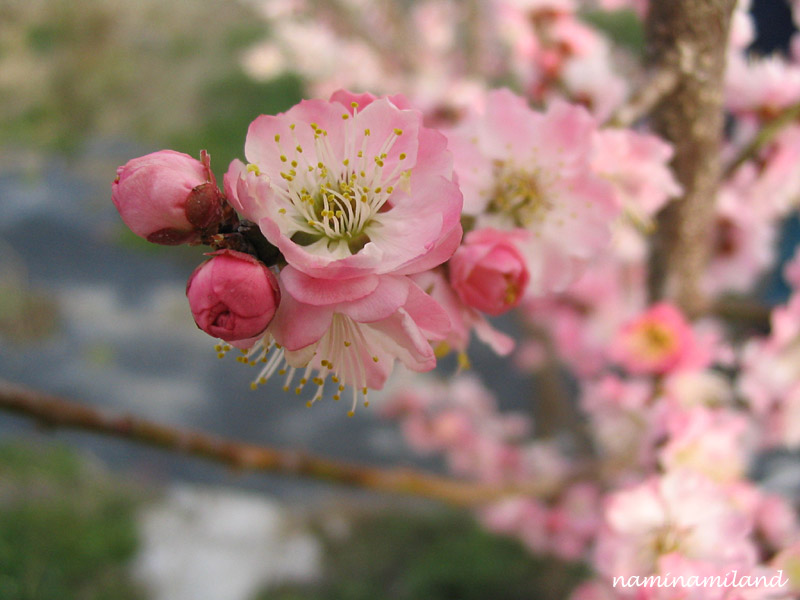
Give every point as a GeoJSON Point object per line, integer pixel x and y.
{"type": "Point", "coordinates": [91, 312]}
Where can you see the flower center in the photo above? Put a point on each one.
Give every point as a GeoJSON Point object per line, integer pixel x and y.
{"type": "Point", "coordinates": [338, 198]}
{"type": "Point", "coordinates": [520, 195]}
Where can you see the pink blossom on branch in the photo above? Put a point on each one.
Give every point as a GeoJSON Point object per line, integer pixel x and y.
{"type": "Point", "coordinates": [233, 296]}
{"type": "Point", "coordinates": [167, 197]}
{"type": "Point", "coordinates": [521, 168]}
{"type": "Point", "coordinates": [345, 191]}
{"type": "Point", "coordinates": [488, 272]}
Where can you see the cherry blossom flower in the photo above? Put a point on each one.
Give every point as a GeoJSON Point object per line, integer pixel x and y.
{"type": "Point", "coordinates": [660, 341]}
{"type": "Point", "coordinates": [345, 192]}
{"type": "Point", "coordinates": [520, 168]}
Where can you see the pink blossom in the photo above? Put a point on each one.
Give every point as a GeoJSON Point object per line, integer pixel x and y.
{"type": "Point", "coordinates": [713, 442]}
{"type": "Point", "coordinates": [350, 330]}
{"type": "Point", "coordinates": [659, 341]}
{"type": "Point", "coordinates": [520, 168]}
{"type": "Point", "coordinates": [776, 521]}
{"type": "Point", "coordinates": [763, 86]}
{"type": "Point", "coordinates": [637, 165]}
{"type": "Point", "coordinates": [681, 515]}
{"type": "Point", "coordinates": [743, 240]}
{"type": "Point", "coordinates": [233, 296]}
{"type": "Point", "coordinates": [167, 197]}
{"type": "Point", "coordinates": [488, 272]}
{"type": "Point", "coordinates": [463, 319]}
{"type": "Point", "coordinates": [345, 192]}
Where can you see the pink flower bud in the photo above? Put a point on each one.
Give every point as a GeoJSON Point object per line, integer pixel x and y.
{"type": "Point", "coordinates": [488, 272]}
{"type": "Point", "coordinates": [167, 197]}
{"type": "Point", "coordinates": [233, 296]}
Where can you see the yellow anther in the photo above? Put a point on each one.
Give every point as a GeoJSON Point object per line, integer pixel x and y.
{"type": "Point", "coordinates": [347, 344]}
{"type": "Point", "coordinates": [375, 359]}
{"type": "Point", "coordinates": [282, 372]}
{"type": "Point", "coordinates": [346, 162]}
{"type": "Point", "coordinates": [366, 132]}
{"type": "Point", "coordinates": [350, 413]}
{"type": "Point", "coordinates": [291, 126]}
{"type": "Point", "coordinates": [398, 132]}
{"type": "Point", "coordinates": [354, 104]}
{"type": "Point", "coordinates": [402, 156]}
{"type": "Point", "coordinates": [309, 404]}
{"type": "Point", "coordinates": [282, 211]}
{"type": "Point", "coordinates": [299, 148]}
{"type": "Point", "coordinates": [277, 137]}
{"type": "Point", "coordinates": [251, 168]}
{"type": "Point", "coordinates": [336, 397]}
{"type": "Point", "coordinates": [345, 117]}
{"type": "Point", "coordinates": [283, 158]}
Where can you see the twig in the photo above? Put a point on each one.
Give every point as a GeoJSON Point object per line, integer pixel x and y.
{"type": "Point", "coordinates": [58, 412]}
{"type": "Point", "coordinates": [658, 85]}
{"type": "Point", "coordinates": [767, 133]}
{"type": "Point", "coordinates": [742, 311]}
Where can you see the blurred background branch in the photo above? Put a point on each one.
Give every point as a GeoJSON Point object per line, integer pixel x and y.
{"type": "Point", "coordinates": [56, 412]}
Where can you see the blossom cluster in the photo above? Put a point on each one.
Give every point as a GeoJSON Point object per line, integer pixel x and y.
{"type": "Point", "coordinates": [365, 229]}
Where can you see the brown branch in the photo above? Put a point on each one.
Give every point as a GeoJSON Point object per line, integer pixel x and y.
{"type": "Point", "coordinates": [691, 37]}
{"type": "Point", "coordinates": [660, 83]}
{"type": "Point", "coordinates": [742, 310]}
{"type": "Point", "coordinates": [768, 132]}
{"type": "Point", "coordinates": [58, 412]}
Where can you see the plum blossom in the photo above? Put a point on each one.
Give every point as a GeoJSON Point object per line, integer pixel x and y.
{"type": "Point", "coordinates": [520, 168]}
{"type": "Point", "coordinates": [344, 191]}
{"type": "Point", "coordinates": [488, 272]}
{"type": "Point", "coordinates": [233, 296]}
{"type": "Point", "coordinates": [660, 341]}
{"type": "Point", "coordinates": [350, 331]}
{"type": "Point", "coordinates": [167, 197]}
{"type": "Point", "coordinates": [676, 516]}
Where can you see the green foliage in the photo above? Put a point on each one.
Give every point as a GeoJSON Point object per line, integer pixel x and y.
{"type": "Point", "coordinates": [66, 530]}
{"type": "Point", "coordinates": [443, 556]}
{"type": "Point", "coordinates": [228, 106]}
{"type": "Point", "coordinates": [624, 27]}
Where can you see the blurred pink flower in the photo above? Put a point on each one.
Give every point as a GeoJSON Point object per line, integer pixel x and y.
{"type": "Point", "coordinates": [520, 168]}
{"type": "Point", "coordinates": [488, 272]}
{"type": "Point", "coordinates": [659, 341]}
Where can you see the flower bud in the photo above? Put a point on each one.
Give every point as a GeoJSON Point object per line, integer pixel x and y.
{"type": "Point", "coordinates": [488, 272]}
{"type": "Point", "coordinates": [233, 296]}
{"type": "Point", "coordinates": [167, 197]}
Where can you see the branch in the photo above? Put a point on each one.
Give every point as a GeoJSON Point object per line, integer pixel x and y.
{"type": "Point", "coordinates": [768, 132]}
{"type": "Point", "coordinates": [689, 36]}
{"type": "Point", "coordinates": [58, 412]}
{"type": "Point", "coordinates": [655, 88]}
